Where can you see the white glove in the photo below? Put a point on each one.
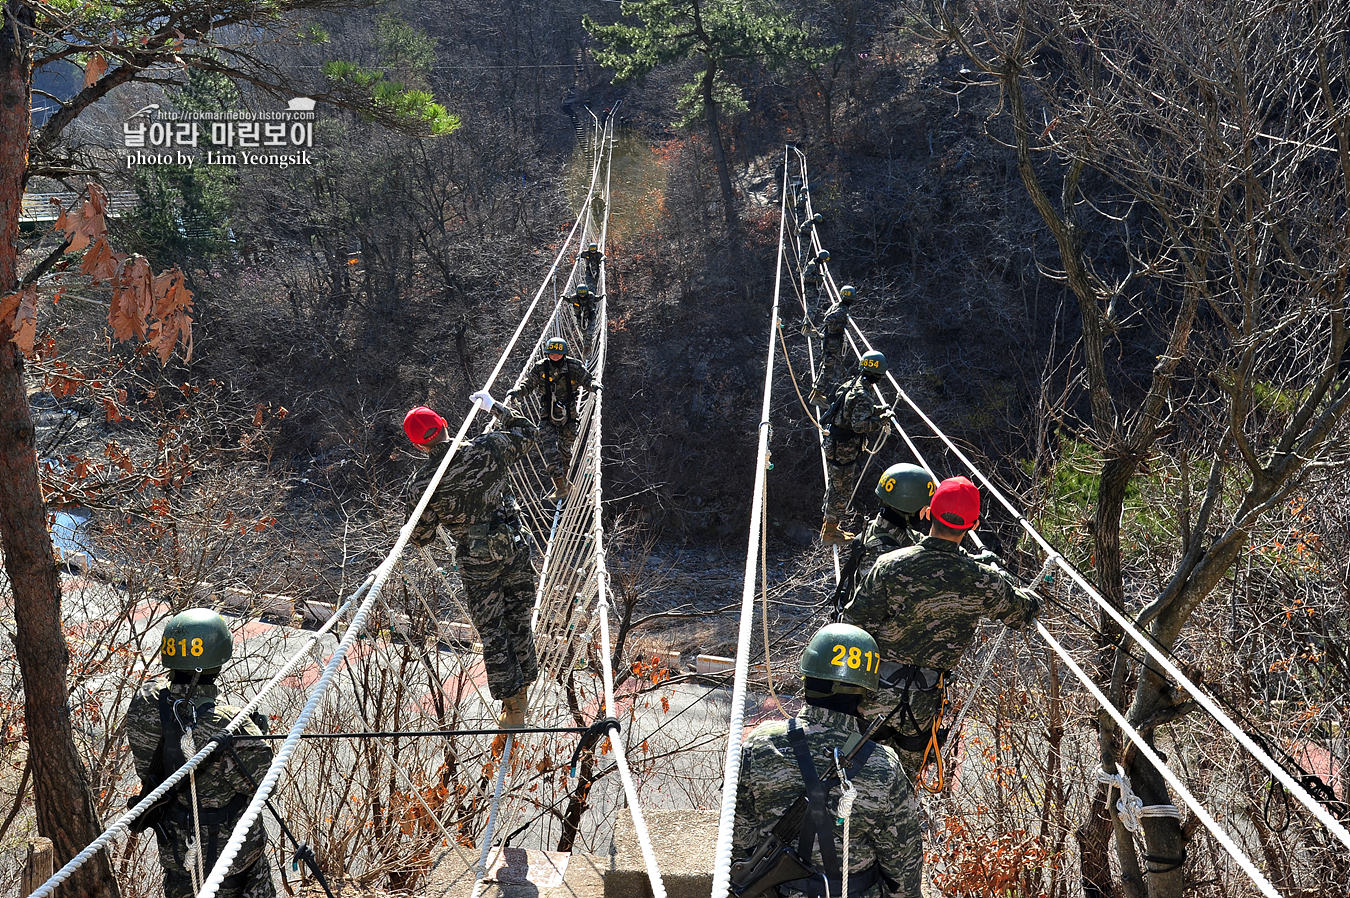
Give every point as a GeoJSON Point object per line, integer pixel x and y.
{"type": "Point", "coordinates": [485, 398]}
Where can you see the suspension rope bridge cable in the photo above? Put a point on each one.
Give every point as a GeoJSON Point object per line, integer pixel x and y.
{"type": "Point", "coordinates": [381, 574]}
{"type": "Point", "coordinates": [732, 772]}
{"type": "Point", "coordinates": [1219, 833]}
{"type": "Point", "coordinates": [1126, 624]}
{"type": "Point", "coordinates": [602, 601]}
{"type": "Point", "coordinates": [123, 822]}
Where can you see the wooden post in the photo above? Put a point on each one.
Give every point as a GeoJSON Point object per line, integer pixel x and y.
{"type": "Point", "coordinates": [40, 865]}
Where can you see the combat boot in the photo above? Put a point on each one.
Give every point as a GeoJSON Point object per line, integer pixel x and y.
{"type": "Point", "coordinates": [560, 490]}
{"type": "Point", "coordinates": [513, 710]}
{"type": "Point", "coordinates": [832, 534]}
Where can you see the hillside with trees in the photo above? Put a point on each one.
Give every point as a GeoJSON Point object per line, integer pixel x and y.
{"type": "Point", "coordinates": [1105, 247]}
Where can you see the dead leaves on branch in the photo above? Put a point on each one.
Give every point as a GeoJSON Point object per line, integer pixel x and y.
{"type": "Point", "coordinates": [153, 309]}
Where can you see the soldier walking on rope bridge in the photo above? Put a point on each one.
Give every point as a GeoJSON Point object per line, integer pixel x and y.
{"type": "Point", "coordinates": [834, 324]}
{"type": "Point", "coordinates": [473, 502]}
{"type": "Point", "coordinates": [813, 273]}
{"type": "Point", "coordinates": [557, 377]}
{"type": "Point", "coordinates": [781, 759]}
{"type": "Point", "coordinates": [924, 604]}
{"type": "Point", "coordinates": [851, 416]}
{"type": "Point", "coordinates": [585, 305]}
{"type": "Point", "coordinates": [593, 258]}
{"type": "Point", "coordinates": [804, 229]}
{"type": "Point", "coordinates": [904, 491]}
{"type": "Point", "coordinates": [168, 721]}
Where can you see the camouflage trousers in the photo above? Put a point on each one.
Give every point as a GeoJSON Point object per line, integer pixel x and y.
{"type": "Point", "coordinates": [831, 364]}
{"type": "Point", "coordinates": [838, 489]}
{"type": "Point", "coordinates": [586, 316]}
{"type": "Point", "coordinates": [250, 876]}
{"type": "Point", "coordinates": [923, 705]}
{"type": "Point", "coordinates": [499, 586]}
{"type": "Point", "coordinates": [555, 442]}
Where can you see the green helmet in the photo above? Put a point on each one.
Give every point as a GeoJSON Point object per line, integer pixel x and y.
{"type": "Point", "coordinates": [555, 344]}
{"type": "Point", "coordinates": [823, 256]}
{"type": "Point", "coordinates": [196, 639]}
{"type": "Point", "coordinates": [583, 289]}
{"type": "Point", "coordinates": [844, 654]}
{"type": "Point", "coordinates": [847, 293]}
{"type": "Point", "coordinates": [872, 365]}
{"type": "Point", "coordinates": [906, 488]}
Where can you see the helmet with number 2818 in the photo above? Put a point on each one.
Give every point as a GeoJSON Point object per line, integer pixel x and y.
{"type": "Point", "coordinates": [196, 639]}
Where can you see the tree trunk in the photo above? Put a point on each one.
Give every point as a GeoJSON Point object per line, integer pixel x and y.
{"type": "Point", "coordinates": [719, 154]}
{"type": "Point", "coordinates": [65, 809]}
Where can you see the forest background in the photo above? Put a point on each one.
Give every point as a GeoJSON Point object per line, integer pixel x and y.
{"type": "Point", "coordinates": [978, 221]}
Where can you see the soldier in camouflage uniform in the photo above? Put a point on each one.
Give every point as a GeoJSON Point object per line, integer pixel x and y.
{"type": "Point", "coordinates": [834, 324]}
{"type": "Point", "coordinates": [585, 307]}
{"type": "Point", "coordinates": [904, 491]}
{"type": "Point", "coordinates": [924, 604]}
{"type": "Point", "coordinates": [813, 273]}
{"type": "Point", "coordinates": [593, 258]}
{"type": "Point", "coordinates": [780, 759]}
{"type": "Point", "coordinates": [492, 548]}
{"type": "Point", "coordinates": [851, 416]}
{"type": "Point", "coordinates": [196, 643]}
{"type": "Point", "coordinates": [557, 377]}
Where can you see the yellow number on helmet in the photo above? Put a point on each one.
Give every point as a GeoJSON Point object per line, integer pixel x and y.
{"type": "Point", "coordinates": [197, 646]}
{"type": "Point", "coordinates": [838, 659]}
{"type": "Point", "coordinates": [170, 647]}
{"type": "Point", "coordinates": [889, 484]}
{"type": "Point", "coordinates": [855, 657]}
{"type": "Point", "coordinates": [930, 489]}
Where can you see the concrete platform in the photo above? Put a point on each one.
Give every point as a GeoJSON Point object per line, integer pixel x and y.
{"type": "Point", "coordinates": [683, 842]}
{"type": "Point", "coordinates": [518, 873]}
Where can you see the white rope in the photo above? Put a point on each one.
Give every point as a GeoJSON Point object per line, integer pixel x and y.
{"type": "Point", "coordinates": [731, 774]}
{"type": "Point", "coordinates": [1220, 835]}
{"type": "Point", "coordinates": [480, 872]}
{"type": "Point", "coordinates": [123, 823]}
{"type": "Point", "coordinates": [1130, 807]}
{"type": "Point", "coordinates": [194, 859]}
{"type": "Point", "coordinates": [848, 793]}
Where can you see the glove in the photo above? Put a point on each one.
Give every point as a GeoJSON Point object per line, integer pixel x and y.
{"type": "Point", "coordinates": [485, 398]}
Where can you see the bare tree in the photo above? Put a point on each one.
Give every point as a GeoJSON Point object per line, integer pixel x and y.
{"type": "Point", "coordinates": [1201, 162]}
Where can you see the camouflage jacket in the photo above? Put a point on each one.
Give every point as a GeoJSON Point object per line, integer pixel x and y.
{"type": "Point", "coordinates": [836, 320]}
{"type": "Point", "coordinates": [555, 382]}
{"type": "Point", "coordinates": [219, 779]}
{"type": "Point", "coordinates": [474, 490]}
{"type": "Point", "coordinates": [884, 825]}
{"type": "Point", "coordinates": [923, 603]}
{"type": "Point", "coordinates": [880, 537]}
{"type": "Point", "coordinates": [855, 414]}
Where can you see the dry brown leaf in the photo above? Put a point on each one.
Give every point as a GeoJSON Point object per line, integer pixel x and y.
{"type": "Point", "coordinates": [8, 306]}
{"type": "Point", "coordinates": [100, 262]}
{"type": "Point", "coordinates": [258, 415]}
{"type": "Point", "coordinates": [132, 300]}
{"type": "Point", "coordinates": [86, 223]}
{"type": "Point", "coordinates": [24, 323]}
{"type": "Point", "coordinates": [110, 410]}
{"type": "Point", "coordinates": [94, 70]}
{"type": "Point", "coordinates": [171, 293]}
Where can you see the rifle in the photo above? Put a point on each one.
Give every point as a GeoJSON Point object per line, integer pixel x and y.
{"type": "Point", "coordinates": [774, 861]}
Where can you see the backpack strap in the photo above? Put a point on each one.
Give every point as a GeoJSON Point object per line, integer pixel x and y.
{"type": "Point", "coordinates": [819, 823]}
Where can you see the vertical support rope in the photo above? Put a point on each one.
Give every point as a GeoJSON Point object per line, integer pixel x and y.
{"type": "Point", "coordinates": [732, 772]}
{"type": "Point", "coordinates": [1224, 839]}
{"type": "Point", "coordinates": [480, 872]}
